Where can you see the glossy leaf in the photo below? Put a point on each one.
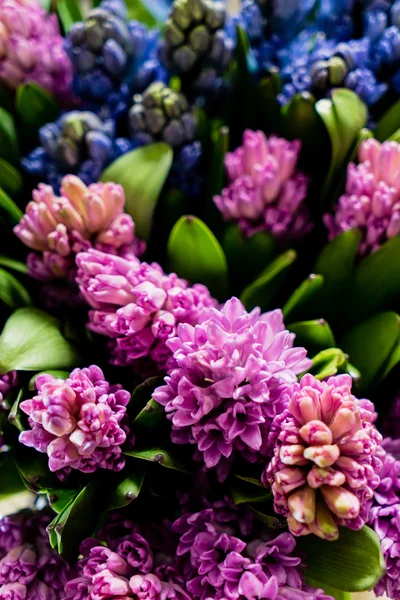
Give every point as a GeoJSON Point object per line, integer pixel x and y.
{"type": "Point", "coordinates": [158, 455]}
{"type": "Point", "coordinates": [10, 178]}
{"type": "Point", "coordinates": [69, 12]}
{"type": "Point", "coordinates": [32, 341]}
{"type": "Point", "coordinates": [34, 470]}
{"type": "Point", "coordinates": [262, 291]}
{"type": "Point", "coordinates": [142, 173]}
{"type": "Point", "coordinates": [142, 395]}
{"type": "Point", "coordinates": [128, 489]}
{"type": "Point", "coordinates": [389, 123]}
{"type": "Point", "coordinates": [12, 292]}
{"type": "Point", "coordinates": [195, 254]}
{"type": "Point", "coordinates": [328, 362]}
{"type": "Point", "coordinates": [150, 417]}
{"type": "Point", "coordinates": [35, 107]}
{"type": "Point", "coordinates": [270, 520]}
{"type": "Point", "coordinates": [9, 207]}
{"type": "Point", "coordinates": [313, 335]}
{"type": "Point", "coordinates": [301, 297]}
{"type": "Point", "coordinates": [15, 265]}
{"type": "Point", "coordinates": [243, 491]}
{"type": "Point", "coordinates": [370, 344]}
{"type": "Point", "coordinates": [8, 138]}
{"type": "Point", "coordinates": [60, 498]}
{"type": "Point", "coordinates": [353, 563]}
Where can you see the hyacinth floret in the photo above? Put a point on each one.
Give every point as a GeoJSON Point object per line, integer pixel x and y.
{"type": "Point", "coordinates": [265, 191]}
{"type": "Point", "coordinates": [371, 201]}
{"type": "Point", "coordinates": [233, 373]}
{"type": "Point", "coordinates": [325, 464]}
{"type": "Point", "coordinates": [137, 305]}
{"type": "Point", "coordinates": [56, 228]}
{"type": "Point", "coordinates": [78, 422]}
{"type": "Point", "coordinates": [31, 49]}
{"type": "Point", "coordinates": [78, 143]}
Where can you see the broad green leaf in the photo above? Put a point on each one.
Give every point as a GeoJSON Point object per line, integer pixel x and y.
{"type": "Point", "coordinates": [220, 146]}
{"type": "Point", "coordinates": [8, 206]}
{"type": "Point", "coordinates": [11, 482]}
{"type": "Point", "coordinates": [389, 123]}
{"type": "Point", "coordinates": [370, 344]}
{"type": "Point", "coordinates": [328, 362]}
{"type": "Point", "coordinates": [12, 292]}
{"type": "Point", "coordinates": [243, 491]}
{"type": "Point", "coordinates": [393, 360]}
{"type": "Point", "coordinates": [32, 341]}
{"type": "Point", "coordinates": [142, 395]}
{"type": "Point", "coordinates": [35, 107]}
{"type": "Point", "coordinates": [34, 470]}
{"type": "Point", "coordinates": [377, 281]}
{"type": "Point", "coordinates": [69, 12]}
{"type": "Point", "coordinates": [8, 138]}
{"type": "Point", "coordinates": [262, 291]}
{"type": "Point", "coordinates": [158, 455]}
{"type": "Point", "coordinates": [148, 12]}
{"type": "Point", "coordinates": [142, 173]}
{"type": "Point", "coordinates": [270, 520]}
{"type": "Point", "coordinates": [353, 563]}
{"type": "Point", "coordinates": [14, 416]}
{"type": "Point", "coordinates": [300, 298]}
{"type": "Point", "coordinates": [247, 256]}
{"type": "Point", "coordinates": [128, 489]}
{"type": "Point", "coordinates": [313, 335]}
{"type": "Point", "coordinates": [57, 374]}
{"type": "Point", "coordinates": [10, 178]}
{"type": "Point", "coordinates": [195, 254]}
{"type": "Point", "coordinates": [15, 265]}
{"type": "Point", "coordinates": [150, 417]}
{"type": "Point", "coordinates": [60, 498]}
{"type": "Point", "coordinates": [330, 591]}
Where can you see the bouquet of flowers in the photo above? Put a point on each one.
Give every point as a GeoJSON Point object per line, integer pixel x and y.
{"type": "Point", "coordinates": [200, 298]}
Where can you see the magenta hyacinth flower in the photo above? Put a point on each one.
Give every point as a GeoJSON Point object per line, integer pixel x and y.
{"type": "Point", "coordinates": [8, 381]}
{"type": "Point", "coordinates": [234, 371]}
{"type": "Point", "coordinates": [29, 568]}
{"type": "Point", "coordinates": [57, 228]}
{"type": "Point", "coordinates": [137, 305]}
{"type": "Point", "coordinates": [265, 192]}
{"type": "Point", "coordinates": [325, 465]}
{"type": "Point", "coordinates": [79, 422]}
{"type": "Point", "coordinates": [32, 49]}
{"type": "Point", "coordinates": [372, 198]}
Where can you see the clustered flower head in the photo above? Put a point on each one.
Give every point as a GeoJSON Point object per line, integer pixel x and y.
{"type": "Point", "coordinates": [82, 217]}
{"type": "Point", "coordinates": [384, 518]}
{"type": "Point", "coordinates": [372, 198]}
{"type": "Point", "coordinates": [32, 49]}
{"type": "Point", "coordinates": [265, 191]}
{"type": "Point", "coordinates": [137, 305]}
{"type": "Point", "coordinates": [29, 568]}
{"type": "Point", "coordinates": [8, 381]}
{"type": "Point", "coordinates": [325, 465]}
{"type": "Point", "coordinates": [78, 422]}
{"type": "Point", "coordinates": [233, 373]}
{"type": "Point", "coordinates": [78, 143]}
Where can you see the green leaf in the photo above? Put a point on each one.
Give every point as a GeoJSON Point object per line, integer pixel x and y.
{"type": "Point", "coordinates": [69, 12]}
{"type": "Point", "coordinates": [8, 138]}
{"type": "Point", "coordinates": [271, 521]}
{"type": "Point", "coordinates": [128, 489]}
{"type": "Point", "coordinates": [195, 254]}
{"type": "Point", "coordinates": [393, 360]}
{"type": "Point", "coordinates": [220, 146]}
{"type": "Point", "coordinates": [158, 455]}
{"type": "Point", "coordinates": [142, 395]}
{"type": "Point", "coordinates": [139, 11]}
{"type": "Point", "coordinates": [15, 265]}
{"type": "Point", "coordinates": [376, 281]}
{"type": "Point", "coordinates": [59, 499]}
{"type": "Point", "coordinates": [35, 107]}
{"type": "Point", "coordinates": [32, 341]}
{"type": "Point", "coordinates": [142, 173]}
{"type": "Point", "coordinates": [14, 416]}
{"type": "Point", "coordinates": [150, 417]}
{"type": "Point", "coordinates": [243, 491]}
{"type": "Point", "coordinates": [56, 373]}
{"type": "Point", "coordinates": [262, 291]}
{"type": "Point", "coordinates": [9, 207]}
{"type": "Point", "coordinates": [10, 178]}
{"type": "Point", "coordinates": [34, 470]}
{"type": "Point", "coordinates": [268, 107]}
{"type": "Point", "coordinates": [46, 4]}
{"type": "Point", "coordinates": [313, 335]}
{"type": "Point", "coordinates": [389, 123]}
{"type": "Point", "coordinates": [370, 344]}
{"type": "Point", "coordinates": [12, 292]}
{"type": "Point", "coordinates": [11, 482]}
{"type": "Point", "coordinates": [244, 89]}
{"type": "Point", "coordinates": [300, 298]}
{"type": "Point", "coordinates": [328, 362]}
{"type": "Point", "coordinates": [330, 591]}
{"type": "Point", "coordinates": [353, 563]}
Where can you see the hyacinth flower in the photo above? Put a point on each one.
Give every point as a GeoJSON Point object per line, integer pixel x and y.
{"type": "Point", "coordinates": [325, 462]}
{"type": "Point", "coordinates": [265, 192]}
{"type": "Point", "coordinates": [234, 371]}
{"type": "Point", "coordinates": [31, 49]}
{"type": "Point", "coordinates": [79, 422]}
{"type": "Point", "coordinates": [78, 143]}
{"type": "Point", "coordinates": [371, 201]}
{"type": "Point", "coordinates": [56, 228]}
{"type": "Point", "coordinates": [198, 45]}
{"type": "Point", "coordinates": [138, 306]}
{"type": "Point", "coordinates": [29, 568]}
{"type": "Point", "coordinates": [8, 382]}
{"type": "Point", "coordinates": [111, 57]}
